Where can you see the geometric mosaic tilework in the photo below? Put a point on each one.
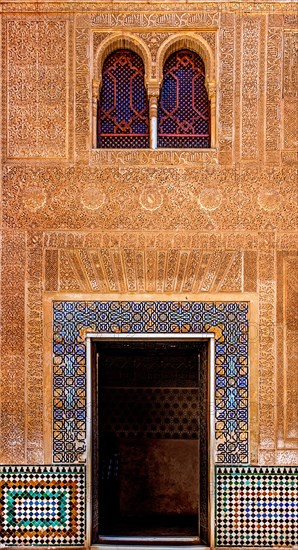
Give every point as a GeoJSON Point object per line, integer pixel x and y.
{"type": "Point", "coordinates": [42, 505]}
{"type": "Point", "coordinates": [256, 506]}
{"type": "Point", "coordinates": [227, 320]}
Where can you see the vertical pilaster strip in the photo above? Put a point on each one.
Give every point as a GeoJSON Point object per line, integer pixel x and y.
{"type": "Point", "coordinates": [71, 90]}
{"type": "Point", "coordinates": [262, 92]}
{"type": "Point", "coordinates": [250, 87]}
{"type": "Point", "coordinates": [51, 270]}
{"type": "Point", "coordinates": [267, 344]}
{"type": "Point", "coordinates": [273, 89]}
{"type": "Point", "coordinates": [291, 339]}
{"type": "Point", "coordinates": [280, 348]}
{"type": "Point", "coordinates": [237, 87]}
{"type": "Point", "coordinates": [34, 348]}
{"type": "Point", "coordinates": [12, 388]}
{"type": "Point", "coordinates": [83, 92]}
{"type": "Point", "coordinates": [290, 95]}
{"type": "Point", "coordinates": [226, 85]}
{"type": "Point", "coordinates": [250, 271]}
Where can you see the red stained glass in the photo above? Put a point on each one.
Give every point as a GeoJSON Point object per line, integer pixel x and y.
{"type": "Point", "coordinates": [183, 113]}
{"type": "Point", "coordinates": [123, 120]}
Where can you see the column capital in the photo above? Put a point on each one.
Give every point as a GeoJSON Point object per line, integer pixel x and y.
{"type": "Point", "coordinates": [153, 105]}
{"type": "Point", "coordinates": [95, 88]}
{"type": "Point", "coordinates": [211, 89]}
{"type": "Point", "coordinates": [153, 87]}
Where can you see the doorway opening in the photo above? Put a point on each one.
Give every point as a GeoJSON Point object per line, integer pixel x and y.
{"type": "Point", "coordinates": [150, 441]}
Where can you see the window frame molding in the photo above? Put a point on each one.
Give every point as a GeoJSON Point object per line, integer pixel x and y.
{"type": "Point", "coordinates": [154, 74]}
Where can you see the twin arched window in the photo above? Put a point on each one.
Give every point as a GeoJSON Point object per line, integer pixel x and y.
{"type": "Point", "coordinates": [183, 109]}
{"type": "Point", "coordinates": [123, 106]}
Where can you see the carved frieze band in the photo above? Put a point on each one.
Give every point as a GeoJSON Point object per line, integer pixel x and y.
{"type": "Point", "coordinates": [175, 19]}
{"type": "Point", "coordinates": [206, 198]}
{"type": "Point", "coordinates": [207, 14]}
{"type": "Point", "coordinates": [143, 270]}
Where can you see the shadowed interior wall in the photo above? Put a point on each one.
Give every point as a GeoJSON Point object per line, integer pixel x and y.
{"type": "Point", "coordinates": [150, 402]}
{"type": "Point", "coordinates": [159, 477]}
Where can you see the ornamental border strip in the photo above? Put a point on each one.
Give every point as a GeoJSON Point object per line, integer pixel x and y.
{"type": "Point", "coordinates": [227, 320]}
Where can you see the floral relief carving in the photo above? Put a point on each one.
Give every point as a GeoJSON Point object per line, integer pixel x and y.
{"type": "Point", "coordinates": [36, 89]}
{"type": "Point", "coordinates": [291, 20]}
{"type": "Point", "coordinates": [210, 38]}
{"type": "Point", "coordinates": [210, 197]}
{"type": "Point", "coordinates": [273, 97]}
{"type": "Point", "coordinates": [154, 41]}
{"type": "Point", "coordinates": [226, 79]}
{"type": "Point", "coordinates": [98, 37]}
{"type": "Point", "coordinates": [290, 90]}
{"type": "Point", "coordinates": [250, 74]}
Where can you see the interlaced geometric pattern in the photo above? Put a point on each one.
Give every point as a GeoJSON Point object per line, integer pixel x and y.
{"type": "Point", "coordinates": [149, 392]}
{"type": "Point", "coordinates": [42, 505]}
{"type": "Point", "coordinates": [123, 120]}
{"type": "Point", "coordinates": [144, 413]}
{"type": "Point", "coordinates": [229, 323]}
{"type": "Point", "coordinates": [183, 112]}
{"type": "Point", "coordinates": [257, 506]}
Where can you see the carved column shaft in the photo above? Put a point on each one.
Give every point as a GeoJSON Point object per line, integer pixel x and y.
{"type": "Point", "coordinates": [153, 110]}
{"type": "Point", "coordinates": [153, 93]}
{"type": "Point", "coordinates": [211, 89]}
{"type": "Point", "coordinates": [95, 96]}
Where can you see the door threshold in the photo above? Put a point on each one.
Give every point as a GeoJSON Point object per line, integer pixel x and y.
{"type": "Point", "coordinates": [153, 546]}
{"type": "Point", "coordinates": [108, 539]}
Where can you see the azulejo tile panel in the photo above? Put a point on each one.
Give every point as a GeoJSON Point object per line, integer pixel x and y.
{"type": "Point", "coordinates": [228, 321]}
{"type": "Point", "coordinates": [42, 505]}
{"type": "Point", "coordinates": [256, 506]}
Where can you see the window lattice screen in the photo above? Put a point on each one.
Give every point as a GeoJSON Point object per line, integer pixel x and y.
{"type": "Point", "coordinates": [123, 106]}
{"type": "Point", "coordinates": [183, 113]}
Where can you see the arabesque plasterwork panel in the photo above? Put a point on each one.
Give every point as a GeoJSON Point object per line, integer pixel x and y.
{"type": "Point", "coordinates": [290, 89]}
{"type": "Point", "coordinates": [274, 92]}
{"type": "Point", "coordinates": [37, 66]}
{"type": "Point", "coordinates": [250, 75]}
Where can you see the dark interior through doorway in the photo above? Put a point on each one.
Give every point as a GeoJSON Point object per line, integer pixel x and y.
{"type": "Point", "coordinates": [150, 440]}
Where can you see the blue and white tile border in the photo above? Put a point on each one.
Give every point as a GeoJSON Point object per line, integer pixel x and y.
{"type": "Point", "coordinates": [228, 321]}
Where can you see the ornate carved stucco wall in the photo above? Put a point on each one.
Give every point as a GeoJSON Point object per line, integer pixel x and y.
{"type": "Point", "coordinates": [132, 223]}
